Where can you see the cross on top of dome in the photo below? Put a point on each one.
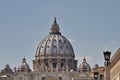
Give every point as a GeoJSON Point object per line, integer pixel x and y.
{"type": "Point", "coordinates": [55, 22]}
{"type": "Point", "coordinates": [55, 28]}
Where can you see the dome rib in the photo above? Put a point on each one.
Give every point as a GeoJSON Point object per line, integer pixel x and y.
{"type": "Point", "coordinates": [51, 43]}
{"type": "Point", "coordinates": [63, 44]}
{"type": "Point", "coordinates": [46, 44]}
{"type": "Point", "coordinates": [70, 46]}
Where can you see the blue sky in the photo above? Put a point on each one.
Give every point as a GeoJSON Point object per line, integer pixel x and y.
{"type": "Point", "coordinates": [92, 26]}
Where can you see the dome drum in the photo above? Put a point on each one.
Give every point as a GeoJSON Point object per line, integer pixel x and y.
{"type": "Point", "coordinates": [59, 56]}
{"type": "Point", "coordinates": [55, 65]}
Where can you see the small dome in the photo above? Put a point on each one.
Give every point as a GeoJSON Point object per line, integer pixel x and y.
{"type": "Point", "coordinates": [96, 66]}
{"type": "Point", "coordinates": [7, 66]}
{"type": "Point", "coordinates": [54, 44]}
{"type": "Point", "coordinates": [7, 70]}
{"type": "Point", "coordinates": [84, 67]}
{"type": "Point", "coordinates": [24, 66]}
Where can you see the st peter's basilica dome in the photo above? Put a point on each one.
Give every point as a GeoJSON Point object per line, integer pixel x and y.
{"type": "Point", "coordinates": [54, 52]}
{"type": "Point", "coordinates": [54, 44]}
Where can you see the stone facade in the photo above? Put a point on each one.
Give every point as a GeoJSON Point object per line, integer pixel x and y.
{"type": "Point", "coordinates": [115, 66]}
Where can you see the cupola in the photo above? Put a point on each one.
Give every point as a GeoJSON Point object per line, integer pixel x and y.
{"type": "Point", "coordinates": [55, 27]}
{"type": "Point", "coordinates": [84, 66]}
{"type": "Point", "coordinates": [24, 67]}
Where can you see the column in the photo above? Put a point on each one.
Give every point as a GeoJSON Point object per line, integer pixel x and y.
{"type": "Point", "coordinates": [107, 71]}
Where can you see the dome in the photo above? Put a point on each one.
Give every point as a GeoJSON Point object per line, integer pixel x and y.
{"type": "Point", "coordinates": [24, 66]}
{"type": "Point", "coordinates": [54, 44]}
{"type": "Point", "coordinates": [54, 52]}
{"type": "Point", "coordinates": [84, 67]}
{"type": "Point", "coordinates": [7, 67]}
{"type": "Point", "coordinates": [7, 70]}
{"type": "Point", "coordinates": [96, 66]}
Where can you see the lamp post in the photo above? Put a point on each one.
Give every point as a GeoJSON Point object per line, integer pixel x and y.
{"type": "Point", "coordinates": [101, 77]}
{"type": "Point", "coordinates": [107, 55]}
{"type": "Point", "coordinates": [96, 76]}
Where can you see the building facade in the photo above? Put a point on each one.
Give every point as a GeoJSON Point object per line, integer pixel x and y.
{"type": "Point", "coordinates": [54, 60]}
{"type": "Point", "coordinates": [115, 66]}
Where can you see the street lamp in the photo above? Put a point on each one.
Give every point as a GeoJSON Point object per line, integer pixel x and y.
{"type": "Point", "coordinates": [96, 75]}
{"type": "Point", "coordinates": [101, 77]}
{"type": "Point", "coordinates": [107, 55]}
